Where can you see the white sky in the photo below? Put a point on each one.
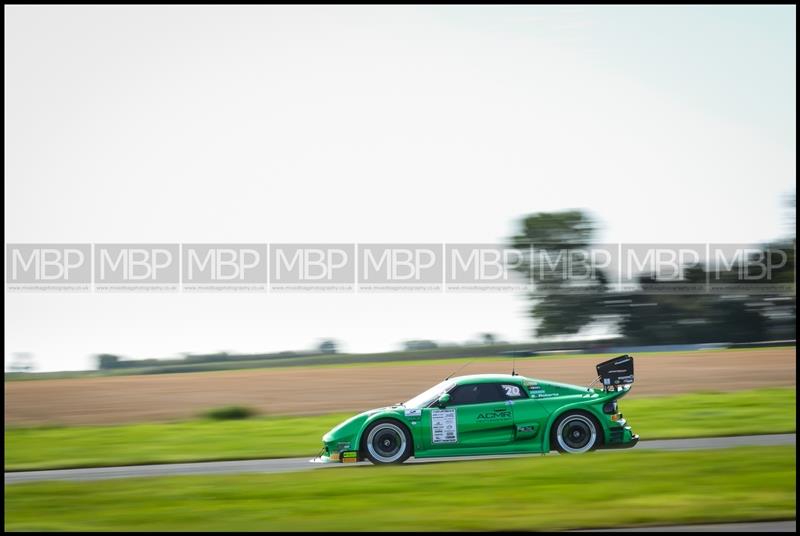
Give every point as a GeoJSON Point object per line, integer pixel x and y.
{"type": "Point", "coordinates": [375, 124]}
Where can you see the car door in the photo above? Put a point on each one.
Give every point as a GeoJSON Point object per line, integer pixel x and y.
{"type": "Point", "coordinates": [478, 415]}
{"type": "Point", "coordinates": [530, 416]}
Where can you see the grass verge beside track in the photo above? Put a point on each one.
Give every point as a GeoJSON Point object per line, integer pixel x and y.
{"type": "Point", "coordinates": [601, 489]}
{"type": "Point", "coordinates": [758, 411]}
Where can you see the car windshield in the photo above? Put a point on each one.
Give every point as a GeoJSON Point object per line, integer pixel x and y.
{"type": "Point", "coordinates": [423, 399]}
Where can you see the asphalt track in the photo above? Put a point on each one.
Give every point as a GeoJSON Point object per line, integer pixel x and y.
{"type": "Point", "coordinates": [282, 465]}
{"type": "Point", "coordinates": [762, 526]}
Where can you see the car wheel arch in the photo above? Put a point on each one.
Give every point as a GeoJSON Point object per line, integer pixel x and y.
{"type": "Point", "coordinates": [391, 418]}
{"type": "Point", "coordinates": [573, 408]}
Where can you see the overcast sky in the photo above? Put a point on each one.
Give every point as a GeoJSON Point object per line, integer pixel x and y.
{"type": "Point", "coordinates": [375, 124]}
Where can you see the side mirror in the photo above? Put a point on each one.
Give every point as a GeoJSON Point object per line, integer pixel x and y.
{"type": "Point", "coordinates": [443, 400]}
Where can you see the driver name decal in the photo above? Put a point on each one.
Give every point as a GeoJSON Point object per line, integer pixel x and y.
{"type": "Point", "coordinates": [443, 426]}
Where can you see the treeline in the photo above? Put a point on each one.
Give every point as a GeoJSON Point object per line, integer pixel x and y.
{"type": "Point", "coordinates": [222, 360]}
{"type": "Point", "coordinates": [111, 362]}
{"type": "Point", "coordinates": [655, 313]}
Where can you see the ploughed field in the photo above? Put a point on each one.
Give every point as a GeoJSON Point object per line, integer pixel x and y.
{"type": "Point", "coordinates": [326, 389]}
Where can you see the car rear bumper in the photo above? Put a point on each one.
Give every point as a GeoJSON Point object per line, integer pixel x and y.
{"type": "Point", "coordinates": [625, 445]}
{"type": "Point", "coordinates": [620, 436]}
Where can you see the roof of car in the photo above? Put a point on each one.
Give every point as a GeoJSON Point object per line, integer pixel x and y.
{"type": "Point", "coordinates": [487, 378]}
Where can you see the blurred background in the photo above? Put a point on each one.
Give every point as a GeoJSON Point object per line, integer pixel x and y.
{"type": "Point", "coordinates": [540, 129]}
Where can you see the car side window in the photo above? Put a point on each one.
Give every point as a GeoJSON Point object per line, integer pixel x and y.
{"type": "Point", "coordinates": [513, 391]}
{"type": "Point", "coordinates": [476, 393]}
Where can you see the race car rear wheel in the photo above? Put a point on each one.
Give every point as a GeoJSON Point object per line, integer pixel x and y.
{"type": "Point", "coordinates": [575, 433]}
{"type": "Point", "coordinates": [386, 441]}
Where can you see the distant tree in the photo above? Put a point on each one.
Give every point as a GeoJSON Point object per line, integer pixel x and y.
{"type": "Point", "coordinates": [489, 339]}
{"type": "Point", "coordinates": [790, 202]}
{"type": "Point", "coordinates": [421, 344]}
{"type": "Point", "coordinates": [206, 358]}
{"type": "Point", "coordinates": [569, 229]}
{"type": "Point", "coordinates": [559, 305]}
{"type": "Point", "coordinates": [22, 362]}
{"type": "Point", "coordinates": [653, 313]}
{"type": "Point", "coordinates": [328, 346]}
{"type": "Point", "coordinates": [108, 361]}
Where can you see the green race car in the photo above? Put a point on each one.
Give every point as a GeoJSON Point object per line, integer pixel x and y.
{"type": "Point", "coordinates": [490, 414]}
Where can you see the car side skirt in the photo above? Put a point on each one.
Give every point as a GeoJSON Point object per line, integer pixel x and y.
{"type": "Point", "coordinates": [532, 447]}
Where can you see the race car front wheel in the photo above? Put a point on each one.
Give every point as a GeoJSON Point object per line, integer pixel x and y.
{"type": "Point", "coordinates": [386, 441]}
{"type": "Point", "coordinates": [574, 433]}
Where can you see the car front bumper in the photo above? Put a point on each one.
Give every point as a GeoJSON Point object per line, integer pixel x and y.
{"type": "Point", "coordinates": [345, 456]}
{"type": "Point", "coordinates": [323, 459]}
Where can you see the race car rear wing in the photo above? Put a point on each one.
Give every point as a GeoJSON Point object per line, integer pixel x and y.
{"type": "Point", "coordinates": [615, 372]}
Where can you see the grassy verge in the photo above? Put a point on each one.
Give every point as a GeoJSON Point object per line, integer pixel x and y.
{"type": "Point", "coordinates": [96, 446]}
{"type": "Point", "coordinates": [757, 411]}
{"type": "Point", "coordinates": [603, 489]}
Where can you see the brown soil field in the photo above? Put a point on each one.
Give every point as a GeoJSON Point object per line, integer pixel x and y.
{"type": "Point", "coordinates": [307, 390]}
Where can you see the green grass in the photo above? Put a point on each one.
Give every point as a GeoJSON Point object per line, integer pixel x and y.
{"type": "Point", "coordinates": [602, 489]}
{"type": "Point", "coordinates": [758, 411]}
{"type": "Point", "coordinates": [94, 446]}
{"type": "Point", "coordinates": [692, 415]}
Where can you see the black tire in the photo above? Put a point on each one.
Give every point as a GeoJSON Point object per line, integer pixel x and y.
{"type": "Point", "coordinates": [386, 441]}
{"type": "Point", "coordinates": [576, 432]}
